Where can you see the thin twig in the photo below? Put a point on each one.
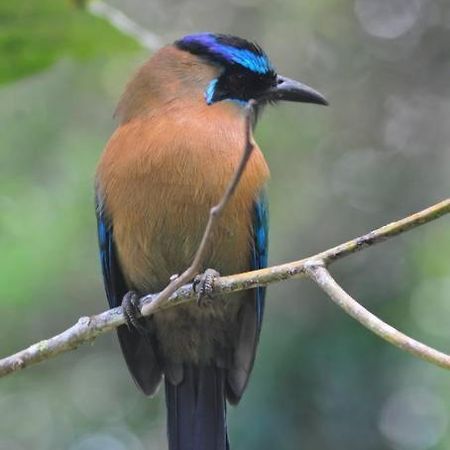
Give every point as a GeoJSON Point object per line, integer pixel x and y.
{"type": "Point", "coordinates": [88, 328]}
{"type": "Point", "coordinates": [295, 269]}
{"type": "Point", "coordinates": [318, 273]}
{"type": "Point", "coordinates": [119, 20]}
{"type": "Point", "coordinates": [214, 216]}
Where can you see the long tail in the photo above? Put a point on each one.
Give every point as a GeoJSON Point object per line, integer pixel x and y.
{"type": "Point", "coordinates": [196, 410]}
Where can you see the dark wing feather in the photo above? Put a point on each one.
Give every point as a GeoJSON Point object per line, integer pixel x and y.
{"type": "Point", "coordinates": [252, 312]}
{"type": "Point", "coordinates": [260, 251]}
{"type": "Point", "coordinates": [113, 279]}
{"type": "Point", "coordinates": [138, 350]}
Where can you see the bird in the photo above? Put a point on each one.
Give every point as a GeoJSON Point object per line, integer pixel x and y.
{"type": "Point", "coordinates": [179, 139]}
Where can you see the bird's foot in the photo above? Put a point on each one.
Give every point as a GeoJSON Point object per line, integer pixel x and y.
{"type": "Point", "coordinates": [204, 286]}
{"type": "Point", "coordinates": [131, 311]}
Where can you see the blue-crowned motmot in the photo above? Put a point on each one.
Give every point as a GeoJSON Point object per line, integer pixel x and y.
{"type": "Point", "coordinates": [179, 140]}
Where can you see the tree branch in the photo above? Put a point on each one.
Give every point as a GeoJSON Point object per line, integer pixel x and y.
{"type": "Point", "coordinates": [214, 215]}
{"type": "Point", "coordinates": [88, 328]}
{"type": "Point", "coordinates": [119, 20]}
{"type": "Point", "coordinates": [318, 273]}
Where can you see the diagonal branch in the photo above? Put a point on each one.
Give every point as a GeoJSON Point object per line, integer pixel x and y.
{"type": "Point", "coordinates": [318, 273]}
{"type": "Point", "coordinates": [214, 215]}
{"type": "Point", "coordinates": [125, 24]}
{"type": "Point", "coordinates": [296, 269]}
{"type": "Point", "coordinates": [88, 328]}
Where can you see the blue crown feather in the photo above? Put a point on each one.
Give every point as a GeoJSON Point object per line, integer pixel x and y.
{"type": "Point", "coordinates": [217, 47]}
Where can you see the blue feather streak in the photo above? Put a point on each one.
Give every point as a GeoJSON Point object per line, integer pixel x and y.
{"type": "Point", "coordinates": [260, 249]}
{"type": "Point", "coordinates": [246, 58]}
{"type": "Point", "coordinates": [210, 91]}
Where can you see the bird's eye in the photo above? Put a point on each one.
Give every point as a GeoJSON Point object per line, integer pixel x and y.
{"type": "Point", "coordinates": [236, 84]}
{"type": "Point", "coordinates": [236, 79]}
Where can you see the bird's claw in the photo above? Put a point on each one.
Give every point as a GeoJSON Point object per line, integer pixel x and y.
{"type": "Point", "coordinates": [131, 311]}
{"type": "Point", "coordinates": [204, 286]}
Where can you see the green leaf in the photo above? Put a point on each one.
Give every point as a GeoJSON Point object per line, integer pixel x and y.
{"type": "Point", "coordinates": [34, 34]}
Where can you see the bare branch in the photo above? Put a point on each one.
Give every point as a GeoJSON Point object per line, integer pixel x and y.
{"type": "Point", "coordinates": [214, 215]}
{"type": "Point", "coordinates": [125, 24]}
{"type": "Point", "coordinates": [318, 273]}
{"type": "Point", "coordinates": [295, 269]}
{"type": "Point", "coordinates": [88, 328]}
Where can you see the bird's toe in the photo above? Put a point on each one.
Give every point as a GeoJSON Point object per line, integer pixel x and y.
{"type": "Point", "coordinates": [131, 311]}
{"type": "Point", "coordinates": [204, 286]}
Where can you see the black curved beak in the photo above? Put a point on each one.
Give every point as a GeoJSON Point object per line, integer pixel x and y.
{"type": "Point", "coordinates": [294, 91]}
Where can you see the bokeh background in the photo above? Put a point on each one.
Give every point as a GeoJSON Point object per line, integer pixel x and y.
{"type": "Point", "coordinates": [379, 152]}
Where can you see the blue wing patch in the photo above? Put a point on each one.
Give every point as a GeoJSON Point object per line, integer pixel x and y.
{"type": "Point", "coordinates": [113, 278]}
{"type": "Point", "coordinates": [260, 249]}
{"type": "Point", "coordinates": [138, 350]}
{"type": "Point", "coordinates": [252, 312]}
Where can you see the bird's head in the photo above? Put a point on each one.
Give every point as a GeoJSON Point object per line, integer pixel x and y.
{"type": "Point", "coordinates": [213, 69]}
{"type": "Point", "coordinates": [244, 72]}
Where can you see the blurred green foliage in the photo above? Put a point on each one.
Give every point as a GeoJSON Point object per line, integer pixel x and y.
{"type": "Point", "coordinates": [35, 34]}
{"type": "Point", "coordinates": [380, 151]}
